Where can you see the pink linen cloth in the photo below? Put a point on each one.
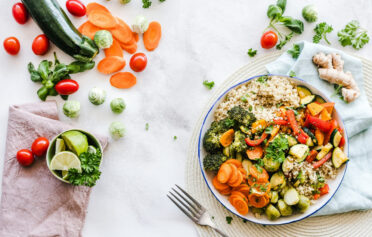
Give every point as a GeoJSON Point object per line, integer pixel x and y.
{"type": "Point", "coordinates": [34, 203]}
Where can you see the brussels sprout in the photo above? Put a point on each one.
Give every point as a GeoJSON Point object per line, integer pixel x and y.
{"type": "Point", "coordinates": [291, 197]}
{"type": "Point", "coordinates": [92, 149]}
{"type": "Point", "coordinates": [284, 209]}
{"type": "Point", "coordinates": [71, 108]}
{"type": "Point", "coordinates": [310, 14]}
{"type": "Point", "coordinates": [124, 1]}
{"type": "Point", "coordinates": [272, 213]}
{"type": "Point", "coordinates": [117, 105]}
{"type": "Point", "coordinates": [103, 39]}
{"type": "Point", "coordinates": [277, 180]}
{"type": "Point", "coordinates": [283, 190]}
{"type": "Point", "coordinates": [97, 96]}
{"type": "Point", "coordinates": [274, 196]}
{"type": "Point", "coordinates": [303, 204]}
{"type": "Point", "coordinates": [117, 130]}
{"type": "Point", "coordinates": [140, 24]}
{"type": "Point", "coordinates": [256, 210]}
{"type": "Point", "coordinates": [270, 164]}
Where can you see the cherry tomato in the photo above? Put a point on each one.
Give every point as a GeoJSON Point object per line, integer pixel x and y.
{"type": "Point", "coordinates": [11, 45]}
{"type": "Point", "coordinates": [269, 39]}
{"type": "Point", "coordinates": [20, 13]}
{"type": "Point", "coordinates": [40, 146]}
{"type": "Point", "coordinates": [138, 62]}
{"type": "Point", "coordinates": [76, 8]}
{"type": "Point", "coordinates": [25, 157]}
{"type": "Point", "coordinates": [40, 45]}
{"type": "Point", "coordinates": [67, 87]}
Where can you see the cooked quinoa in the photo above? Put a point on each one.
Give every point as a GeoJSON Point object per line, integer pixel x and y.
{"type": "Point", "coordinates": [261, 96]}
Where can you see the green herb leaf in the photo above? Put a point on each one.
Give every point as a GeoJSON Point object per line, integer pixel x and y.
{"type": "Point", "coordinates": [295, 51]}
{"type": "Point", "coordinates": [175, 138]}
{"type": "Point", "coordinates": [35, 76]}
{"type": "Point", "coordinates": [208, 84]}
{"type": "Point", "coordinates": [292, 74]}
{"type": "Point", "coordinates": [294, 25]}
{"type": "Point", "coordinates": [229, 219]}
{"type": "Point", "coordinates": [262, 79]}
{"type": "Point", "coordinates": [146, 3]}
{"type": "Point", "coordinates": [42, 93]}
{"type": "Point", "coordinates": [276, 150]}
{"type": "Point", "coordinates": [321, 31]}
{"type": "Point", "coordinates": [353, 35]}
{"type": "Point", "coordinates": [284, 41]}
{"type": "Point", "coordinates": [78, 66]}
{"type": "Point", "coordinates": [161, 0]}
{"type": "Point", "coordinates": [282, 4]}
{"type": "Point", "coordinates": [44, 70]}
{"type": "Point", "coordinates": [252, 52]}
{"type": "Point", "coordinates": [147, 126]}
{"type": "Point", "coordinates": [269, 129]}
{"type": "Point", "coordinates": [274, 11]}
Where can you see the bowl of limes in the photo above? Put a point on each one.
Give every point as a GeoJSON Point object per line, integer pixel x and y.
{"type": "Point", "coordinates": [74, 156]}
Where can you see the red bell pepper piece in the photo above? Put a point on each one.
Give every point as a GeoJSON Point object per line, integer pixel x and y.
{"type": "Point", "coordinates": [257, 141]}
{"type": "Point", "coordinates": [327, 137]}
{"type": "Point", "coordinates": [310, 158]}
{"type": "Point", "coordinates": [324, 189]}
{"type": "Point", "coordinates": [307, 124]}
{"type": "Point", "coordinates": [281, 122]}
{"type": "Point", "coordinates": [292, 121]}
{"type": "Point", "coordinates": [316, 196]}
{"type": "Point", "coordinates": [302, 137]}
{"type": "Point", "coordinates": [342, 142]}
{"type": "Point", "coordinates": [319, 163]}
{"type": "Point", "coordinates": [323, 126]}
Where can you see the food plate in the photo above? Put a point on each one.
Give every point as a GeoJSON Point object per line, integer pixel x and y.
{"type": "Point", "coordinates": [334, 184]}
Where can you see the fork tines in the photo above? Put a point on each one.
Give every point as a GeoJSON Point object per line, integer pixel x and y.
{"type": "Point", "coordinates": [188, 205]}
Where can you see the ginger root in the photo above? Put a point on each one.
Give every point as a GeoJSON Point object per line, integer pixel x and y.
{"type": "Point", "coordinates": [331, 69]}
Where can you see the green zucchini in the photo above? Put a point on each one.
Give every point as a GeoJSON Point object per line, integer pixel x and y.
{"type": "Point", "coordinates": [320, 99]}
{"type": "Point", "coordinates": [311, 136]}
{"type": "Point", "coordinates": [307, 100]}
{"type": "Point", "coordinates": [58, 28]}
{"type": "Point", "coordinates": [336, 137]}
{"type": "Point", "coordinates": [299, 151]}
{"type": "Point", "coordinates": [338, 157]}
{"type": "Point", "coordinates": [324, 151]}
{"type": "Point", "coordinates": [303, 91]}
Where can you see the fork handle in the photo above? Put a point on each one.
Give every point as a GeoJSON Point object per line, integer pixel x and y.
{"type": "Point", "coordinates": [220, 232]}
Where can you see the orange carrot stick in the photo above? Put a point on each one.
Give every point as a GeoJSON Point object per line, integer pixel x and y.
{"type": "Point", "coordinates": [151, 37]}
{"type": "Point", "coordinates": [111, 64]}
{"type": "Point", "coordinates": [123, 80]}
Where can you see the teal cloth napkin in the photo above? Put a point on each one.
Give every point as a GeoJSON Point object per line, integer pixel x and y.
{"type": "Point", "coordinates": [355, 192]}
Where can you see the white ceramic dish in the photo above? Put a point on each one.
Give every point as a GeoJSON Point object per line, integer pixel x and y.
{"type": "Point", "coordinates": [334, 184]}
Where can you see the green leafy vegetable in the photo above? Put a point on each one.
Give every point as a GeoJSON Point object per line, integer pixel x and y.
{"type": "Point", "coordinates": [262, 79]}
{"type": "Point", "coordinates": [147, 126]}
{"type": "Point", "coordinates": [146, 3]}
{"type": "Point", "coordinates": [277, 148]}
{"type": "Point", "coordinates": [229, 219]}
{"type": "Point", "coordinates": [292, 73]}
{"type": "Point", "coordinates": [310, 14]}
{"type": "Point", "coordinates": [269, 129]}
{"type": "Point", "coordinates": [321, 31]}
{"type": "Point", "coordinates": [208, 84]}
{"type": "Point", "coordinates": [282, 4]}
{"type": "Point", "coordinates": [353, 35]}
{"type": "Point", "coordinates": [274, 11]}
{"type": "Point", "coordinates": [284, 41]}
{"type": "Point", "coordinates": [90, 170]}
{"type": "Point", "coordinates": [175, 138]}
{"type": "Point", "coordinates": [295, 51]}
{"type": "Point", "coordinates": [252, 52]}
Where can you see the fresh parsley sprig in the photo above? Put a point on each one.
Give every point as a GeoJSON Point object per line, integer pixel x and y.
{"type": "Point", "coordinates": [295, 51]}
{"type": "Point", "coordinates": [353, 35]}
{"type": "Point", "coordinates": [321, 31]}
{"type": "Point", "coordinates": [277, 148]}
{"type": "Point", "coordinates": [208, 84]}
{"type": "Point", "coordinates": [252, 52]}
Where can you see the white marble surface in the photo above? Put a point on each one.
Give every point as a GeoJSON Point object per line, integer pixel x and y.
{"type": "Point", "coordinates": [201, 40]}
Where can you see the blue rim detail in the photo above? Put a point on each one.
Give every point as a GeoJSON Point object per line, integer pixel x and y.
{"type": "Point", "coordinates": [201, 165]}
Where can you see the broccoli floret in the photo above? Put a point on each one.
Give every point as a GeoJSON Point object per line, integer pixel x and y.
{"type": "Point", "coordinates": [212, 162]}
{"type": "Point", "coordinates": [211, 141]}
{"type": "Point", "coordinates": [241, 115]}
{"type": "Point", "coordinates": [239, 144]}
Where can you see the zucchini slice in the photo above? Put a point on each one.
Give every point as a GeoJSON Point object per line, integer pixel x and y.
{"type": "Point", "coordinates": [320, 99]}
{"type": "Point", "coordinates": [338, 157]}
{"type": "Point", "coordinates": [299, 151]}
{"type": "Point", "coordinates": [291, 140]}
{"type": "Point", "coordinates": [324, 151]}
{"type": "Point", "coordinates": [291, 197]}
{"type": "Point", "coordinates": [336, 137]}
{"type": "Point", "coordinates": [311, 135]}
{"type": "Point", "coordinates": [303, 91]}
{"type": "Point", "coordinates": [307, 100]}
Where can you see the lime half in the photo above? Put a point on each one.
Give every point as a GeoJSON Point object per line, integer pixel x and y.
{"type": "Point", "coordinates": [65, 160]}
{"type": "Point", "coordinates": [60, 145]}
{"type": "Point", "coordinates": [64, 174]}
{"type": "Point", "coordinates": [76, 141]}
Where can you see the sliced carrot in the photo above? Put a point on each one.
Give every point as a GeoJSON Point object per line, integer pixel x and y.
{"type": "Point", "coordinates": [319, 135]}
{"type": "Point", "coordinates": [238, 181]}
{"type": "Point", "coordinates": [122, 32]}
{"type": "Point", "coordinates": [243, 188]}
{"type": "Point", "coordinates": [243, 172]}
{"type": "Point", "coordinates": [235, 162]}
{"type": "Point", "coordinates": [241, 205]}
{"type": "Point", "coordinates": [261, 188]}
{"type": "Point", "coordinates": [102, 19]}
{"type": "Point", "coordinates": [234, 175]}
{"type": "Point", "coordinates": [325, 116]}
{"type": "Point", "coordinates": [260, 174]}
{"type": "Point", "coordinates": [227, 138]}
{"type": "Point", "coordinates": [255, 154]}
{"type": "Point", "coordinates": [130, 48]}
{"type": "Point", "coordinates": [123, 80]}
{"type": "Point", "coordinates": [88, 29]}
{"type": "Point", "coordinates": [135, 36]}
{"type": "Point", "coordinates": [111, 64]}
{"type": "Point", "coordinates": [114, 50]}
{"type": "Point", "coordinates": [219, 186]}
{"type": "Point", "coordinates": [226, 191]}
{"type": "Point", "coordinates": [258, 201]}
{"type": "Point", "coordinates": [94, 6]}
{"type": "Point", "coordinates": [151, 37]}
{"type": "Point", "coordinates": [224, 173]}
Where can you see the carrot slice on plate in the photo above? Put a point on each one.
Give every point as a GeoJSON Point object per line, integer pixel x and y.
{"type": "Point", "coordinates": [88, 29]}
{"type": "Point", "coordinates": [151, 37]}
{"type": "Point", "coordinates": [260, 174]}
{"type": "Point", "coordinates": [234, 175]}
{"type": "Point", "coordinates": [235, 162]}
{"type": "Point", "coordinates": [238, 181]}
{"type": "Point", "coordinates": [219, 186]}
{"type": "Point", "coordinates": [122, 32]}
{"type": "Point", "coordinates": [227, 138]}
{"type": "Point", "coordinates": [102, 19]}
{"type": "Point", "coordinates": [226, 191]}
{"type": "Point", "coordinates": [114, 50]}
{"type": "Point", "coordinates": [94, 6]}
{"type": "Point", "coordinates": [258, 201]}
{"type": "Point", "coordinates": [243, 188]}
{"type": "Point", "coordinates": [224, 173]}
{"type": "Point", "coordinates": [111, 64]}
{"type": "Point", "coordinates": [123, 80]}
{"type": "Point", "coordinates": [241, 205]}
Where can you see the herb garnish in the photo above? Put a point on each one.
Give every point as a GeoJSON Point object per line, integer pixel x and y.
{"type": "Point", "coordinates": [353, 35]}
{"type": "Point", "coordinates": [229, 219]}
{"type": "Point", "coordinates": [147, 126]}
{"type": "Point", "coordinates": [269, 129]}
{"type": "Point", "coordinates": [262, 79]}
{"type": "Point", "coordinates": [175, 138]}
{"type": "Point", "coordinates": [292, 74]}
{"type": "Point", "coordinates": [251, 52]}
{"type": "Point", "coordinates": [321, 31]}
{"type": "Point", "coordinates": [208, 84]}
{"type": "Point", "coordinates": [295, 51]}
{"type": "Point", "coordinates": [277, 148]}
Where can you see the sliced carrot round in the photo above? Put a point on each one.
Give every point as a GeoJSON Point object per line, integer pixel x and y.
{"type": "Point", "coordinates": [257, 200]}
{"type": "Point", "coordinates": [114, 50]}
{"type": "Point", "coordinates": [227, 138]}
{"type": "Point", "coordinates": [151, 37]}
{"type": "Point", "coordinates": [238, 181]}
{"type": "Point", "coordinates": [235, 162]}
{"type": "Point", "coordinates": [241, 205]}
{"type": "Point", "coordinates": [111, 64]}
{"type": "Point", "coordinates": [226, 191]}
{"type": "Point", "coordinates": [122, 32]}
{"type": "Point", "coordinates": [123, 80]}
{"type": "Point", "coordinates": [219, 186]}
{"type": "Point", "coordinates": [130, 48]}
{"type": "Point", "coordinates": [234, 175]}
{"type": "Point", "coordinates": [102, 19]}
{"type": "Point", "coordinates": [88, 29]}
{"type": "Point", "coordinates": [260, 174]}
{"type": "Point", "coordinates": [243, 188]}
{"type": "Point", "coordinates": [94, 6]}
{"type": "Point", "coordinates": [224, 173]}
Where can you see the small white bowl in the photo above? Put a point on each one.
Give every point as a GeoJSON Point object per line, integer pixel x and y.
{"type": "Point", "coordinates": [334, 184]}
{"type": "Point", "coordinates": [92, 140]}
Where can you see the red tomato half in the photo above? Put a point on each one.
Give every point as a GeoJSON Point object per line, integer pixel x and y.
{"type": "Point", "coordinates": [269, 39]}
{"type": "Point", "coordinates": [40, 45]}
{"type": "Point", "coordinates": [76, 8]}
{"type": "Point", "coordinates": [67, 87]}
{"type": "Point", "coordinates": [25, 157]}
{"type": "Point", "coordinates": [11, 45]}
{"type": "Point", "coordinates": [20, 13]}
{"type": "Point", "coordinates": [138, 62]}
{"type": "Point", "coordinates": [40, 146]}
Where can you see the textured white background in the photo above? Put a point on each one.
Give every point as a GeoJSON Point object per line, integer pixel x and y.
{"type": "Point", "coordinates": [202, 40]}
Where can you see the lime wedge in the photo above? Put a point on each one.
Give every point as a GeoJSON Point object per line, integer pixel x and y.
{"type": "Point", "coordinates": [64, 174]}
{"type": "Point", "coordinates": [76, 141]}
{"type": "Point", "coordinates": [65, 160]}
{"type": "Point", "coordinates": [60, 145]}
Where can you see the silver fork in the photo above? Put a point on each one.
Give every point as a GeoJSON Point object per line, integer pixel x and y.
{"type": "Point", "coordinates": [192, 208]}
